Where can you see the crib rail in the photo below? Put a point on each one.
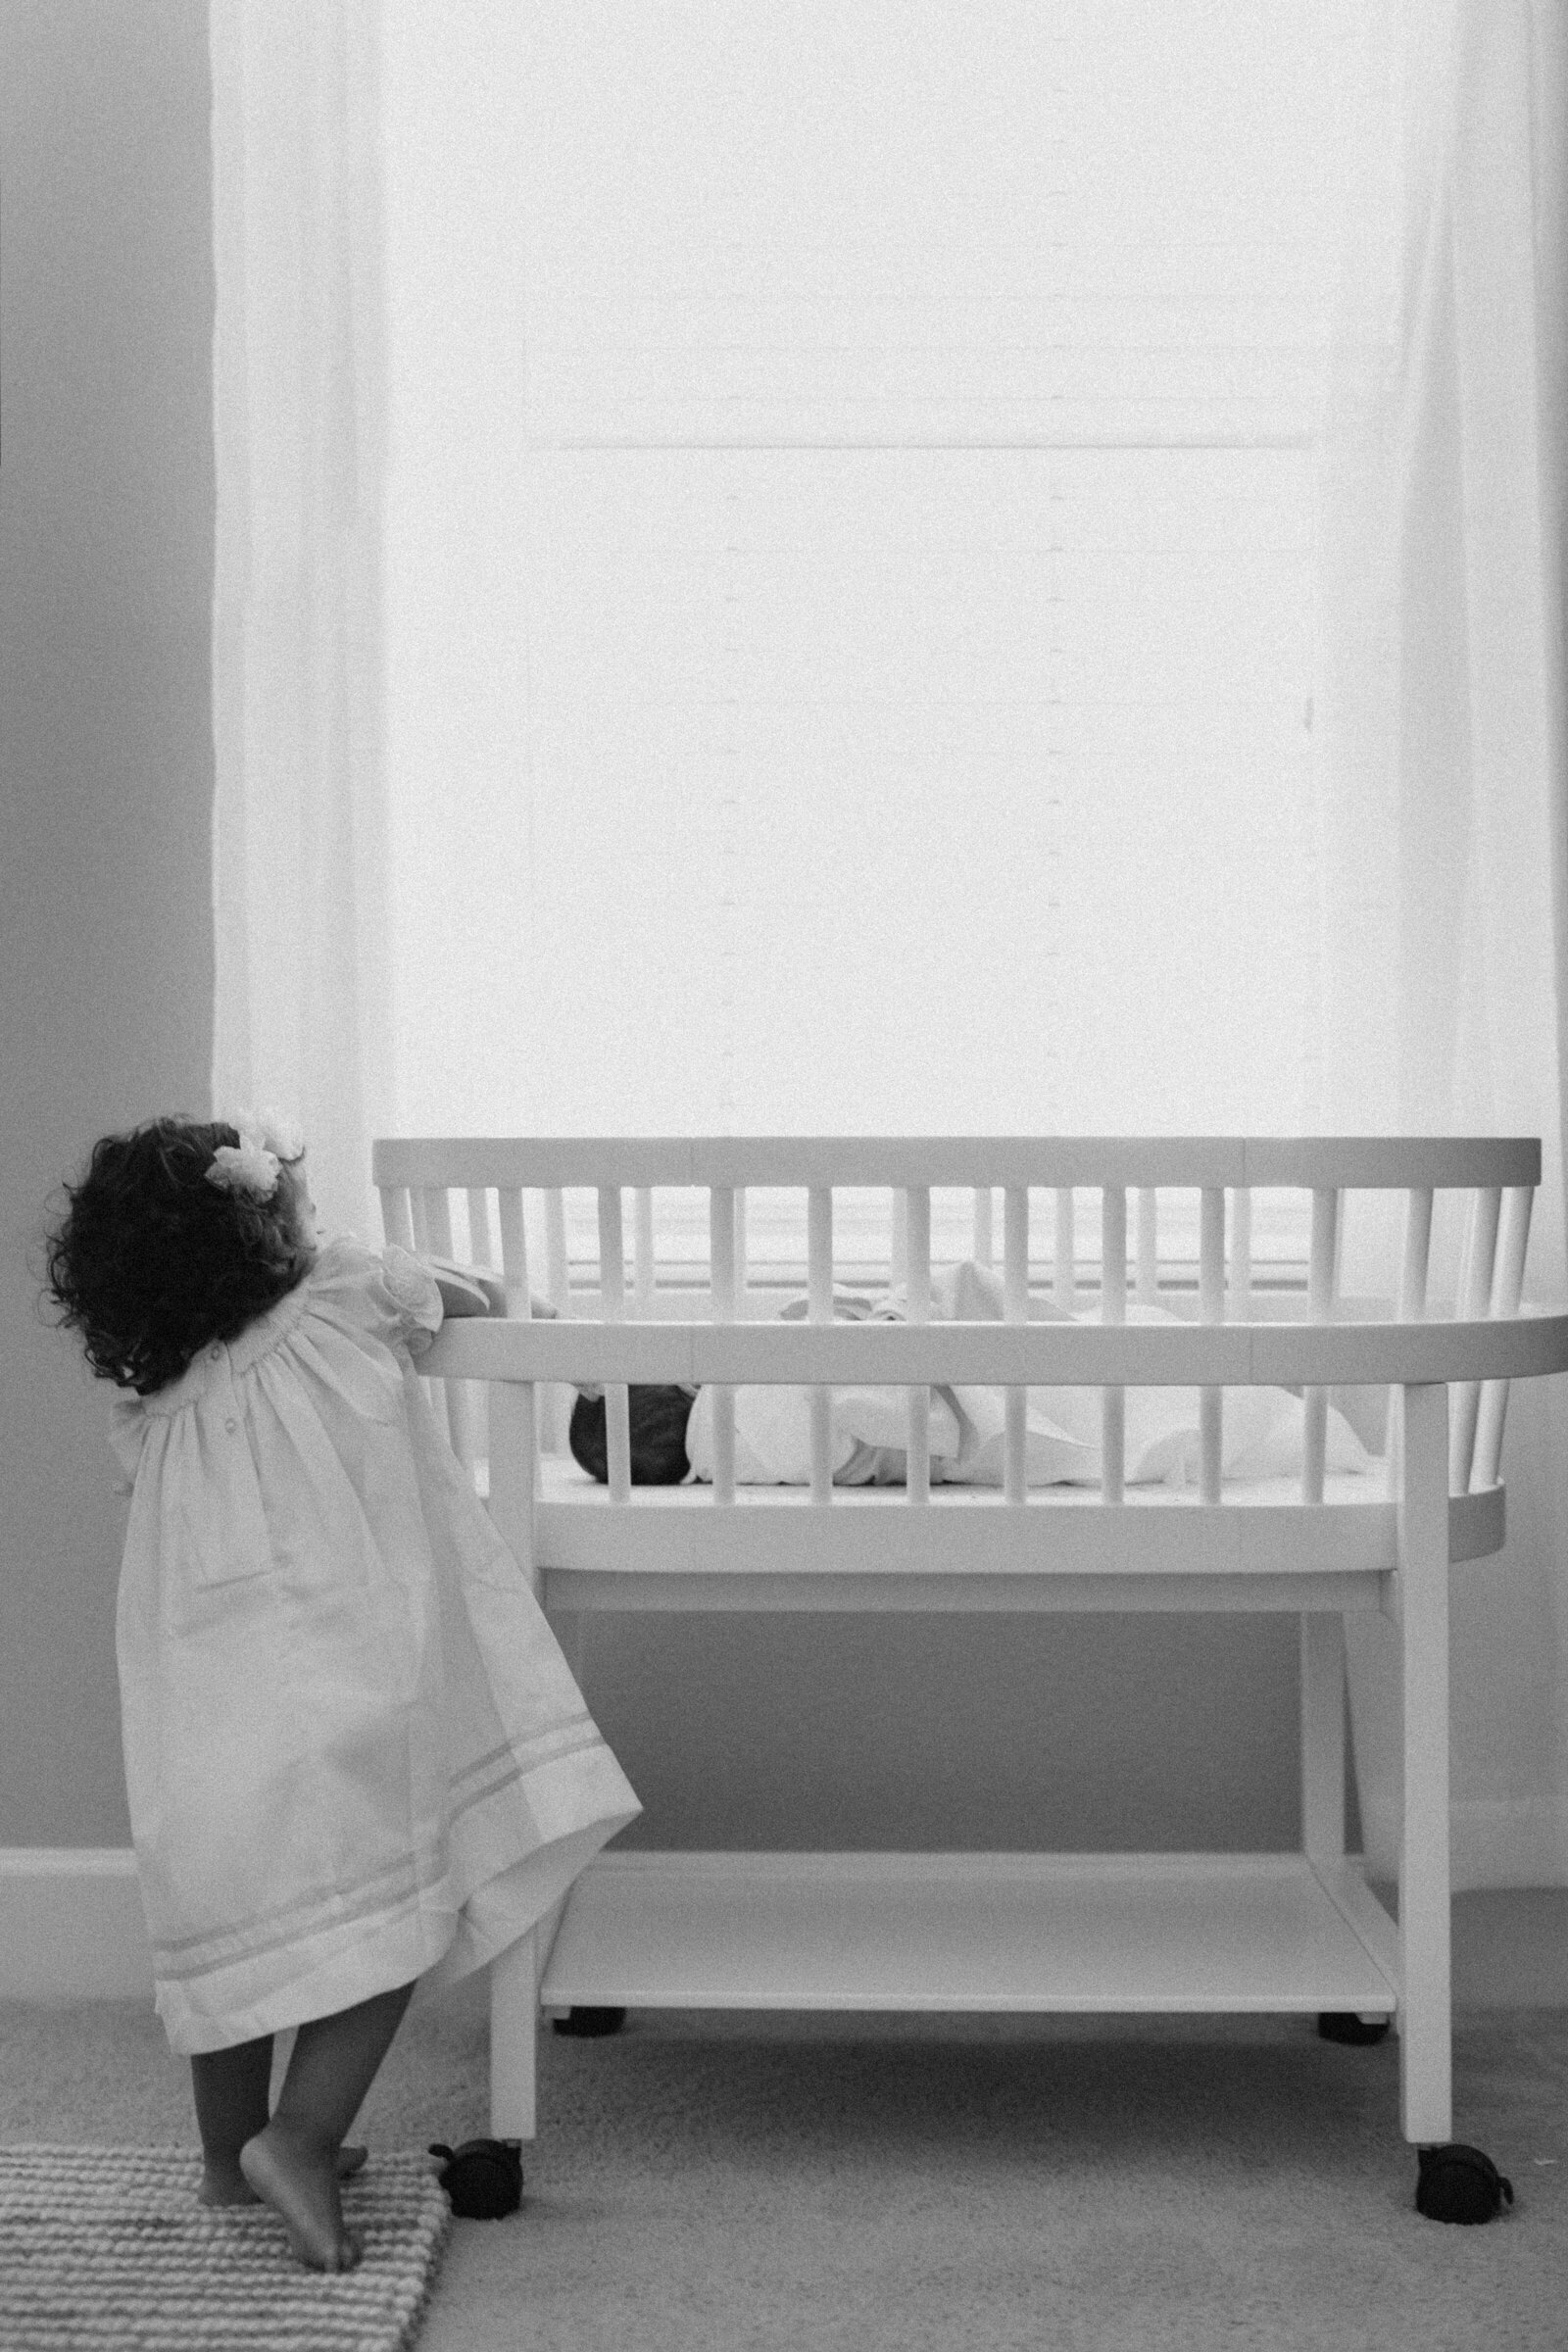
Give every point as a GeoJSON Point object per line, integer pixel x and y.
{"type": "Point", "coordinates": [1001, 1355]}
{"type": "Point", "coordinates": [630, 1334]}
{"type": "Point", "coordinates": [1365, 1162]}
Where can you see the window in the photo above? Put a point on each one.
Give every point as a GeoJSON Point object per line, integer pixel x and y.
{"type": "Point", "coordinates": [850, 560]}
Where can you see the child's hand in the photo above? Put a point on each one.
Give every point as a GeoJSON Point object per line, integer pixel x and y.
{"type": "Point", "coordinates": [497, 1292]}
{"type": "Point", "coordinates": [476, 1290]}
{"type": "Point", "coordinates": [461, 1287]}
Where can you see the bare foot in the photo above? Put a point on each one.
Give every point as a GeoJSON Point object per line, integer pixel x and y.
{"type": "Point", "coordinates": [225, 2184]}
{"type": "Point", "coordinates": [300, 2184]}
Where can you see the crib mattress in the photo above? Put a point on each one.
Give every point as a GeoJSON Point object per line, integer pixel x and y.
{"type": "Point", "coordinates": [672, 1547]}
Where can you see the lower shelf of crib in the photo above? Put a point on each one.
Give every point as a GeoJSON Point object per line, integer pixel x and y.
{"type": "Point", "coordinates": [972, 1932]}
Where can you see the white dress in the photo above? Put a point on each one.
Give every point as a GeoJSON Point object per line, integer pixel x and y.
{"type": "Point", "coordinates": [355, 1755]}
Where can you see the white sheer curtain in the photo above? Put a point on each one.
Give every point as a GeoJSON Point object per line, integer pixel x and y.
{"type": "Point", "coordinates": [299, 848]}
{"type": "Point", "coordinates": [1440, 785]}
{"type": "Point", "coordinates": [371, 614]}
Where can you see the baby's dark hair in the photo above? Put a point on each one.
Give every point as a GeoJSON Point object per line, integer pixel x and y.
{"type": "Point", "coordinates": [151, 1262]}
{"type": "Point", "coordinates": [657, 1416]}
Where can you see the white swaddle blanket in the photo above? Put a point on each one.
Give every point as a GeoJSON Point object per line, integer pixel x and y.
{"type": "Point", "coordinates": [1263, 1428]}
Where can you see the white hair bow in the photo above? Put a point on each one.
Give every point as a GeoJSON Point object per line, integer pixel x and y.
{"type": "Point", "coordinates": [266, 1143]}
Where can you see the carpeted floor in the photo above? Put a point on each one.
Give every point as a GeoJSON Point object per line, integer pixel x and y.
{"type": "Point", "coordinates": [781, 2184]}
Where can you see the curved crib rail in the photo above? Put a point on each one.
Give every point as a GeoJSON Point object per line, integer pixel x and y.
{"type": "Point", "coordinates": [1476, 1349]}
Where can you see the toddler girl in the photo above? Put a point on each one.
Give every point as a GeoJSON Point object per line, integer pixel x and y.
{"type": "Point", "coordinates": [355, 1762]}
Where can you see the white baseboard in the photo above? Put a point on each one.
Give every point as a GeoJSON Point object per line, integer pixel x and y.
{"type": "Point", "coordinates": [72, 1926]}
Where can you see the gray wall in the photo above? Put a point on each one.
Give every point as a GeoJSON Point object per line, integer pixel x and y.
{"type": "Point", "coordinates": [106, 766]}
{"type": "Point", "coordinates": [925, 1731]}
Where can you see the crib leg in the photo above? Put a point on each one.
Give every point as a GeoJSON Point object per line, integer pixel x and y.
{"type": "Point", "coordinates": [1323, 1782]}
{"type": "Point", "coordinates": [1426, 2094]}
{"type": "Point", "coordinates": [1323, 1736]}
{"type": "Point", "coordinates": [513, 2041]}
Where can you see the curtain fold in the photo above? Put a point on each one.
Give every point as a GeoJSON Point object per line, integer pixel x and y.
{"type": "Point", "coordinates": [1441, 797]}
{"type": "Point", "coordinates": [300, 830]}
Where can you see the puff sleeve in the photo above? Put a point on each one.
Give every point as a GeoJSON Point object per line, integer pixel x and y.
{"type": "Point", "coordinates": [393, 1297]}
{"type": "Point", "coordinates": [415, 1297]}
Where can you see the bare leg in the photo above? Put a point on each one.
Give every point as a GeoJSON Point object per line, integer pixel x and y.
{"type": "Point", "coordinates": [292, 2162]}
{"type": "Point", "coordinates": [230, 2088]}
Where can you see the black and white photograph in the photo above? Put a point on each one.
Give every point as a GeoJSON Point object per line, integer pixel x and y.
{"type": "Point", "coordinates": [783, 1238]}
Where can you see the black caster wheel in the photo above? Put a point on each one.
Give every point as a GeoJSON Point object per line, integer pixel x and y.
{"type": "Point", "coordinates": [483, 2178]}
{"type": "Point", "coordinates": [1343, 2025]}
{"type": "Point", "coordinates": [590, 2022]}
{"type": "Point", "coordinates": [1456, 2183]}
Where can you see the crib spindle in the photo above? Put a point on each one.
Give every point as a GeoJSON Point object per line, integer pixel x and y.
{"type": "Point", "coordinates": [1147, 1246]}
{"type": "Point", "coordinates": [513, 1251]}
{"type": "Point", "coordinates": [418, 1203]}
{"type": "Point", "coordinates": [1474, 1298]}
{"type": "Point", "coordinates": [1507, 1289]}
{"type": "Point", "coordinates": [1417, 1254]}
{"type": "Point", "coordinates": [1338, 1238]}
{"type": "Point", "coordinates": [613, 1308]}
{"type": "Point", "coordinates": [1241, 1257]}
{"type": "Point", "coordinates": [1321, 1285]}
{"type": "Point", "coordinates": [917, 1305]}
{"type": "Point", "coordinates": [819, 1253]}
{"type": "Point", "coordinates": [1212, 1310]}
{"type": "Point", "coordinates": [643, 1200]}
{"type": "Point", "coordinates": [611, 1255]}
{"type": "Point", "coordinates": [515, 1255]}
{"type": "Point", "coordinates": [1067, 1259]}
{"type": "Point", "coordinates": [741, 1259]}
{"type": "Point", "coordinates": [722, 1229]}
{"type": "Point", "coordinates": [898, 1241]}
{"type": "Point", "coordinates": [1415, 1262]}
{"type": "Point", "coordinates": [1015, 1309]}
{"type": "Point", "coordinates": [557, 1271]}
{"type": "Point", "coordinates": [819, 1309]}
{"type": "Point", "coordinates": [1113, 1310]}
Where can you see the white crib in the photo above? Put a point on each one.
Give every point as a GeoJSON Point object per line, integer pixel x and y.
{"type": "Point", "coordinates": [1271, 1932]}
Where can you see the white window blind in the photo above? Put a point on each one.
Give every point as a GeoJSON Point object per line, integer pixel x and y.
{"type": "Point", "coordinates": [850, 560]}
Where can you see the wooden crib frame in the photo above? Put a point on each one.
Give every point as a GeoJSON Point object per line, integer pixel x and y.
{"type": "Point", "coordinates": [1298, 1932]}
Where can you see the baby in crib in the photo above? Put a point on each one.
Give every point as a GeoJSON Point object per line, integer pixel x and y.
{"type": "Point", "coordinates": [660, 1416]}
{"type": "Point", "coordinates": [657, 1414]}
{"type": "Point", "coordinates": [672, 1439]}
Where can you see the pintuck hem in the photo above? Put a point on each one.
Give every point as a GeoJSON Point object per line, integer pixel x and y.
{"type": "Point", "coordinates": [399, 1955]}
{"type": "Point", "coordinates": [431, 1951]}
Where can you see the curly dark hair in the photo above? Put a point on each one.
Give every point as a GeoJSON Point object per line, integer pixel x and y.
{"type": "Point", "coordinates": [657, 1416]}
{"type": "Point", "coordinates": [151, 1263]}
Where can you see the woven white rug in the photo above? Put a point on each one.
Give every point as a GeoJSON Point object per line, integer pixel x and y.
{"type": "Point", "coordinates": [107, 2247]}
